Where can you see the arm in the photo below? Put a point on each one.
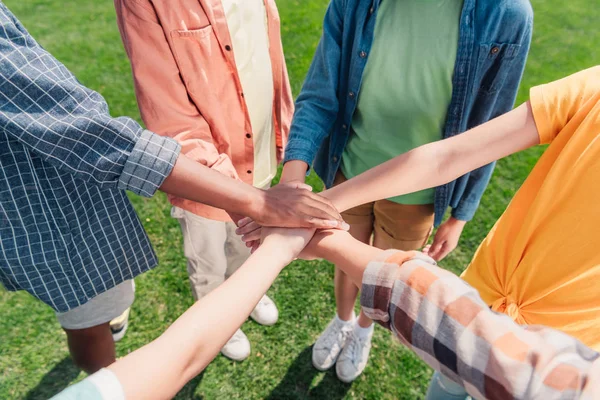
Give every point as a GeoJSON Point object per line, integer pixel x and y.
{"type": "Point", "coordinates": [497, 357]}
{"type": "Point", "coordinates": [282, 205]}
{"type": "Point", "coordinates": [45, 108]}
{"type": "Point", "coordinates": [162, 96]}
{"type": "Point", "coordinates": [440, 162]}
{"type": "Point", "coordinates": [161, 368]}
{"type": "Point", "coordinates": [317, 105]}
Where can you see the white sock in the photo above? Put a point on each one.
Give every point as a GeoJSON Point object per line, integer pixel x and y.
{"type": "Point", "coordinates": [345, 323]}
{"type": "Point", "coordinates": [363, 333]}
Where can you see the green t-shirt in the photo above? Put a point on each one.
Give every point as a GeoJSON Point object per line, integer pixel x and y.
{"type": "Point", "coordinates": [406, 87]}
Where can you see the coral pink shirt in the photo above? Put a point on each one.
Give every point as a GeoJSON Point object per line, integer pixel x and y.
{"type": "Point", "coordinates": [188, 87]}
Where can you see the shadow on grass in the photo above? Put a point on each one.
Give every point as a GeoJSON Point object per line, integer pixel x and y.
{"type": "Point", "coordinates": [54, 381]}
{"type": "Point", "coordinates": [187, 392]}
{"type": "Point", "coordinates": [297, 381]}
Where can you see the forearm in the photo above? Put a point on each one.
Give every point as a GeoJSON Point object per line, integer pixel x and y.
{"type": "Point", "coordinates": [194, 181]}
{"type": "Point", "coordinates": [526, 360]}
{"type": "Point", "coordinates": [160, 369]}
{"type": "Point", "coordinates": [440, 162]}
{"type": "Point", "coordinates": [347, 253]}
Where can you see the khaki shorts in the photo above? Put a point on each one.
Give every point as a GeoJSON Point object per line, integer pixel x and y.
{"type": "Point", "coordinates": [392, 225]}
{"type": "Point", "coordinates": [101, 309]}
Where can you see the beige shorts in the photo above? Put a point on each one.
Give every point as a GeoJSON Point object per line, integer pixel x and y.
{"type": "Point", "coordinates": [101, 309]}
{"type": "Point", "coordinates": [393, 226]}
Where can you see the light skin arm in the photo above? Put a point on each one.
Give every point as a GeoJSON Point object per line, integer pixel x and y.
{"type": "Point", "coordinates": [431, 165]}
{"type": "Point", "coordinates": [160, 369]}
{"type": "Point", "coordinates": [341, 249]}
{"type": "Point", "coordinates": [437, 163]}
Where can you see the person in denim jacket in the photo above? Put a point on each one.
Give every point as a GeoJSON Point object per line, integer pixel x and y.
{"type": "Point", "coordinates": [389, 76]}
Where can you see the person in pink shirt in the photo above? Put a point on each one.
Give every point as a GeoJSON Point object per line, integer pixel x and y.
{"type": "Point", "coordinates": [211, 74]}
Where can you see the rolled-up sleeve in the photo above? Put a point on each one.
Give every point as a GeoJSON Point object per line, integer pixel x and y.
{"type": "Point", "coordinates": [45, 108]}
{"type": "Point", "coordinates": [444, 321]}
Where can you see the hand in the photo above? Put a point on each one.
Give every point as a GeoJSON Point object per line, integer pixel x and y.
{"type": "Point", "coordinates": [286, 206]}
{"type": "Point", "coordinates": [446, 239]}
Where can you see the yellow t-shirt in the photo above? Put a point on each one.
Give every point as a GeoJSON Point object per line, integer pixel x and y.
{"type": "Point", "coordinates": [540, 263]}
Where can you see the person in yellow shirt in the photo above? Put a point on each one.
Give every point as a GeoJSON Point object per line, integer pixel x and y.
{"type": "Point", "coordinates": [540, 263]}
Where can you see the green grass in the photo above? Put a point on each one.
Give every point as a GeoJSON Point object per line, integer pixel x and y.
{"type": "Point", "coordinates": [34, 361]}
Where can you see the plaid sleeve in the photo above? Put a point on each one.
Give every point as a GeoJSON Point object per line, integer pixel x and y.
{"type": "Point", "coordinates": [45, 108]}
{"type": "Point", "coordinates": [445, 322]}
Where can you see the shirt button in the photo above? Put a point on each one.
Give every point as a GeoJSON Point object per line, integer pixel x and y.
{"type": "Point", "coordinates": [351, 95]}
{"type": "Point", "coordinates": [344, 127]}
{"type": "Point", "coordinates": [371, 10]}
{"type": "Point", "coordinates": [249, 171]}
{"type": "Point", "coordinates": [228, 47]}
{"type": "Point", "coordinates": [248, 135]}
{"type": "Point", "coordinates": [362, 54]}
{"type": "Point", "coordinates": [494, 50]}
{"type": "Point", "coordinates": [335, 159]}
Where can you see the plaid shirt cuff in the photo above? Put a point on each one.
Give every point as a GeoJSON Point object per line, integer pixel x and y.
{"type": "Point", "coordinates": [377, 285]}
{"type": "Point", "coordinates": [149, 164]}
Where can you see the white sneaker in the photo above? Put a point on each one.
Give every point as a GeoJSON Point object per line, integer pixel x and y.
{"type": "Point", "coordinates": [265, 312]}
{"type": "Point", "coordinates": [354, 357]}
{"type": "Point", "coordinates": [329, 345]}
{"type": "Point", "coordinates": [238, 347]}
{"type": "Point", "coordinates": [119, 325]}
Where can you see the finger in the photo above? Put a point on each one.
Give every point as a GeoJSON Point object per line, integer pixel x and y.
{"type": "Point", "coordinates": [252, 236]}
{"type": "Point", "coordinates": [298, 185]}
{"type": "Point", "coordinates": [426, 249]}
{"type": "Point", "coordinates": [244, 221]}
{"type": "Point", "coordinates": [255, 246]}
{"type": "Point", "coordinates": [322, 203]}
{"type": "Point", "coordinates": [442, 253]}
{"type": "Point", "coordinates": [319, 207]}
{"type": "Point", "coordinates": [317, 223]}
{"type": "Point", "coordinates": [435, 248]}
{"type": "Point", "coordinates": [446, 249]}
{"type": "Point", "coordinates": [251, 227]}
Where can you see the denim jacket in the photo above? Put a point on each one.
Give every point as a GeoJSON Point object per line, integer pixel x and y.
{"type": "Point", "coordinates": [494, 39]}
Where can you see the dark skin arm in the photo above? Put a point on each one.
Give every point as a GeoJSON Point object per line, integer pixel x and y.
{"type": "Point", "coordinates": [283, 205]}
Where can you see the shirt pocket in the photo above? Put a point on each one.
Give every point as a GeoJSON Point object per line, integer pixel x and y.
{"type": "Point", "coordinates": [495, 65]}
{"type": "Point", "coordinates": [199, 58]}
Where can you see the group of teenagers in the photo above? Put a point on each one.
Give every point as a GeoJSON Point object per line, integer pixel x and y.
{"type": "Point", "coordinates": [403, 112]}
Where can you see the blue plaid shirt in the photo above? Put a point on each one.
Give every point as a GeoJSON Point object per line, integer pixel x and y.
{"type": "Point", "coordinates": [67, 230]}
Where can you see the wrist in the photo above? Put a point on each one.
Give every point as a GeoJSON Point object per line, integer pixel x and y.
{"type": "Point", "coordinates": [278, 253]}
{"type": "Point", "coordinates": [456, 222]}
{"type": "Point", "coordinates": [294, 171]}
{"type": "Point", "coordinates": [254, 203]}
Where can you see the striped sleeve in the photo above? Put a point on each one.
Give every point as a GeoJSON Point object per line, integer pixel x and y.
{"type": "Point", "coordinates": [445, 322]}
{"type": "Point", "coordinates": [44, 107]}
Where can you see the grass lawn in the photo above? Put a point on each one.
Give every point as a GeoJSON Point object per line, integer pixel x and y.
{"type": "Point", "coordinates": [34, 361]}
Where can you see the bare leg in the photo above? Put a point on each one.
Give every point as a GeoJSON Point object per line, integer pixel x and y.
{"type": "Point", "coordinates": [91, 348]}
{"type": "Point", "coordinates": [345, 290]}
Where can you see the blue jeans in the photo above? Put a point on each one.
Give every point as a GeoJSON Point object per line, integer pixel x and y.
{"type": "Point", "coordinates": [442, 388]}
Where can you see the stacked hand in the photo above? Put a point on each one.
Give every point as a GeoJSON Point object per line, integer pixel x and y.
{"type": "Point", "coordinates": [291, 205]}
